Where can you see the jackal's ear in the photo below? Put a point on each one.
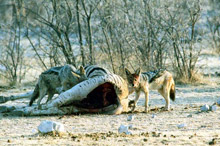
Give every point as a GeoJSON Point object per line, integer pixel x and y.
{"type": "Point", "coordinates": [82, 70]}
{"type": "Point", "coordinates": [138, 71]}
{"type": "Point", "coordinates": [75, 74]}
{"type": "Point", "coordinates": [127, 72]}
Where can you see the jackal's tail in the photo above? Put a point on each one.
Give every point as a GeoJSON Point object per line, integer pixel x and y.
{"type": "Point", "coordinates": [172, 92]}
{"type": "Point", "coordinates": [34, 95]}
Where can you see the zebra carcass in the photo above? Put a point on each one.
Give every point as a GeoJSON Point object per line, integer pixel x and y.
{"type": "Point", "coordinates": [102, 94]}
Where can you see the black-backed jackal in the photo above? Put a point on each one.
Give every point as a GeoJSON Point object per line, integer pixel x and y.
{"type": "Point", "coordinates": [160, 80]}
{"type": "Point", "coordinates": [56, 80]}
{"type": "Point", "coordinates": [59, 79]}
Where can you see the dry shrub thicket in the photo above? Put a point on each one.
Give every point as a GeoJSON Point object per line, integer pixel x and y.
{"type": "Point", "coordinates": [117, 34]}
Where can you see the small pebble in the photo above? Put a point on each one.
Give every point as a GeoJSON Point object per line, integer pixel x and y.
{"type": "Point", "coordinates": [130, 118]}
{"type": "Point", "coordinates": [130, 126]}
{"type": "Point", "coordinates": [213, 142]}
{"type": "Point", "coordinates": [214, 108]}
{"type": "Point", "coordinates": [51, 126]}
{"type": "Point", "coordinates": [34, 131]}
{"type": "Point", "coordinates": [204, 108]}
{"type": "Point", "coordinates": [191, 137]}
{"type": "Point", "coordinates": [181, 125]}
{"type": "Point", "coordinates": [124, 129]}
{"type": "Point", "coordinates": [154, 116]}
{"type": "Point", "coordinates": [218, 101]}
{"type": "Point", "coordinates": [189, 116]}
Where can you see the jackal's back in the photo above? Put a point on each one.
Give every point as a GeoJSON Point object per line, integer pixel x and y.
{"type": "Point", "coordinates": [151, 75]}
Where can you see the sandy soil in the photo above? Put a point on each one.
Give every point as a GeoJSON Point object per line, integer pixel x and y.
{"type": "Point", "coordinates": [202, 128]}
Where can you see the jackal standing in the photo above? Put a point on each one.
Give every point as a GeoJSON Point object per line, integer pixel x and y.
{"type": "Point", "coordinates": [160, 80]}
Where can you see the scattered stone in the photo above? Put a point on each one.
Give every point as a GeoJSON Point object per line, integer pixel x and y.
{"type": "Point", "coordinates": [181, 125]}
{"type": "Point", "coordinates": [103, 137]}
{"type": "Point", "coordinates": [74, 138]}
{"type": "Point", "coordinates": [213, 142]}
{"type": "Point", "coordinates": [46, 127]}
{"type": "Point", "coordinates": [165, 142]}
{"type": "Point", "coordinates": [154, 134]}
{"type": "Point", "coordinates": [124, 129]}
{"type": "Point", "coordinates": [218, 101]}
{"type": "Point", "coordinates": [130, 118]}
{"type": "Point", "coordinates": [204, 108]}
{"type": "Point", "coordinates": [189, 116]}
{"type": "Point", "coordinates": [34, 131]}
{"type": "Point", "coordinates": [214, 108]}
{"type": "Point", "coordinates": [154, 116]}
{"type": "Point", "coordinates": [146, 134]}
{"type": "Point", "coordinates": [130, 126]}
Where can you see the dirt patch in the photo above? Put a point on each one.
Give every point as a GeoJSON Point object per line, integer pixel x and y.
{"type": "Point", "coordinates": [201, 128]}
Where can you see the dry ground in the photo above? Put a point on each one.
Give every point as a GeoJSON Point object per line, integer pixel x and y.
{"type": "Point", "coordinates": [202, 128]}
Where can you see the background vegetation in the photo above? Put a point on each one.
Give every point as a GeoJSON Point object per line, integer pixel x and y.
{"type": "Point", "coordinates": [120, 33]}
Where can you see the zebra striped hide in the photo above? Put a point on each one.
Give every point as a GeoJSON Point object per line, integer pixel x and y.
{"type": "Point", "coordinates": [102, 94]}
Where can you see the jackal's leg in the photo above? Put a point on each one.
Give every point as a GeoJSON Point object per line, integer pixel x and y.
{"type": "Point", "coordinates": [164, 92]}
{"type": "Point", "coordinates": [41, 96]}
{"type": "Point", "coordinates": [50, 96]}
{"type": "Point", "coordinates": [167, 106]}
{"type": "Point", "coordinates": [133, 103]}
{"type": "Point", "coordinates": [146, 92]}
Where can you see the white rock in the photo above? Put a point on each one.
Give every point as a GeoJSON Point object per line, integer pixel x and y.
{"type": "Point", "coordinates": [218, 101]}
{"type": "Point", "coordinates": [124, 129]}
{"type": "Point", "coordinates": [204, 108]}
{"type": "Point", "coordinates": [130, 126]}
{"type": "Point", "coordinates": [214, 108]}
{"type": "Point", "coordinates": [130, 118]}
{"type": "Point", "coordinates": [50, 126]}
{"type": "Point", "coordinates": [153, 116]}
{"type": "Point", "coordinates": [181, 125]}
{"type": "Point", "coordinates": [34, 131]}
{"type": "Point", "coordinates": [190, 116]}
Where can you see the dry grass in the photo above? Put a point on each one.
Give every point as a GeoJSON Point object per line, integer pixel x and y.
{"type": "Point", "coordinates": [197, 79]}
